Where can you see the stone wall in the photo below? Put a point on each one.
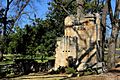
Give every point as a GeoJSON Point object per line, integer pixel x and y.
{"type": "Point", "coordinates": [66, 47]}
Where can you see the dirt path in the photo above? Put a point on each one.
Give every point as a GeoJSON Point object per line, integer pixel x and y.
{"type": "Point", "coordinates": [113, 75]}
{"type": "Point", "coordinates": [39, 76]}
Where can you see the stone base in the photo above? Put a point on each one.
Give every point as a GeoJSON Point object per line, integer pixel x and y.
{"type": "Point", "coordinates": [81, 67]}
{"type": "Point", "coordinates": [100, 67]}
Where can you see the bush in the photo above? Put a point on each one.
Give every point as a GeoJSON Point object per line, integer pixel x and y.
{"type": "Point", "coordinates": [70, 70]}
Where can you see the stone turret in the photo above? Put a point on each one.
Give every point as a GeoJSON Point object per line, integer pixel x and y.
{"type": "Point", "coordinates": [78, 42]}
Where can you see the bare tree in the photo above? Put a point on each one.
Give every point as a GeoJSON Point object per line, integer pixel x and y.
{"type": "Point", "coordinates": [103, 26]}
{"type": "Point", "coordinates": [115, 23]}
{"type": "Point", "coordinates": [5, 17]}
{"type": "Point", "coordinates": [9, 22]}
{"type": "Point", "coordinates": [4, 21]}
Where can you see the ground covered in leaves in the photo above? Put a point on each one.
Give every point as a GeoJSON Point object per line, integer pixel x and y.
{"type": "Point", "coordinates": [112, 75]}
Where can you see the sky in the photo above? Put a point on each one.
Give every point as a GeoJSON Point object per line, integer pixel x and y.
{"type": "Point", "coordinates": [113, 5]}
{"type": "Point", "coordinates": [108, 19]}
{"type": "Point", "coordinates": [42, 8]}
{"type": "Point", "coordinates": [38, 7]}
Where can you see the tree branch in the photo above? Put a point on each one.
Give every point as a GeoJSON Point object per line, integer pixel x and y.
{"type": "Point", "coordinates": [63, 7]}
{"type": "Point", "coordinates": [104, 14]}
{"type": "Point", "coordinates": [5, 17]}
{"type": "Point", "coordinates": [70, 3]}
{"type": "Point", "coordinates": [117, 9]}
{"type": "Point", "coordinates": [8, 5]}
{"type": "Point", "coordinates": [22, 8]}
{"type": "Point", "coordinates": [110, 10]}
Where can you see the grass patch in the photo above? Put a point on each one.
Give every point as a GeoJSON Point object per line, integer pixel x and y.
{"type": "Point", "coordinates": [40, 61]}
{"type": "Point", "coordinates": [70, 70]}
{"type": "Point", "coordinates": [6, 62]}
{"type": "Point", "coordinates": [116, 49]}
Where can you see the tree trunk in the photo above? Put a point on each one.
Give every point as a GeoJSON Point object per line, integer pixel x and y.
{"type": "Point", "coordinates": [111, 55]}
{"type": "Point", "coordinates": [112, 48]}
{"type": "Point", "coordinates": [103, 32]}
{"type": "Point", "coordinates": [79, 9]}
{"type": "Point", "coordinates": [114, 35]}
{"type": "Point", "coordinates": [1, 56]}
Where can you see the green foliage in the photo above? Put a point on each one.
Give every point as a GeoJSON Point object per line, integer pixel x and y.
{"type": "Point", "coordinates": [57, 14]}
{"type": "Point", "coordinates": [93, 6]}
{"type": "Point", "coordinates": [70, 70]}
{"type": "Point", "coordinates": [31, 39]}
{"type": "Point", "coordinates": [6, 71]}
{"type": "Point", "coordinates": [40, 37]}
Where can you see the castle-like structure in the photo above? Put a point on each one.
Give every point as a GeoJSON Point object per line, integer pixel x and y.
{"type": "Point", "coordinates": [79, 41]}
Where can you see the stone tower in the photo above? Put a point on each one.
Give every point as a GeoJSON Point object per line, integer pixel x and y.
{"type": "Point", "coordinates": [79, 42]}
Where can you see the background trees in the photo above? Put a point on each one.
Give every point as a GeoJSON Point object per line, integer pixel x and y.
{"type": "Point", "coordinates": [8, 21]}
{"type": "Point", "coordinates": [115, 24]}
{"type": "Point", "coordinates": [40, 37]}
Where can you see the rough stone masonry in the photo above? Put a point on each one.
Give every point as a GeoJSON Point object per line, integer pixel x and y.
{"type": "Point", "coordinates": [79, 41]}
